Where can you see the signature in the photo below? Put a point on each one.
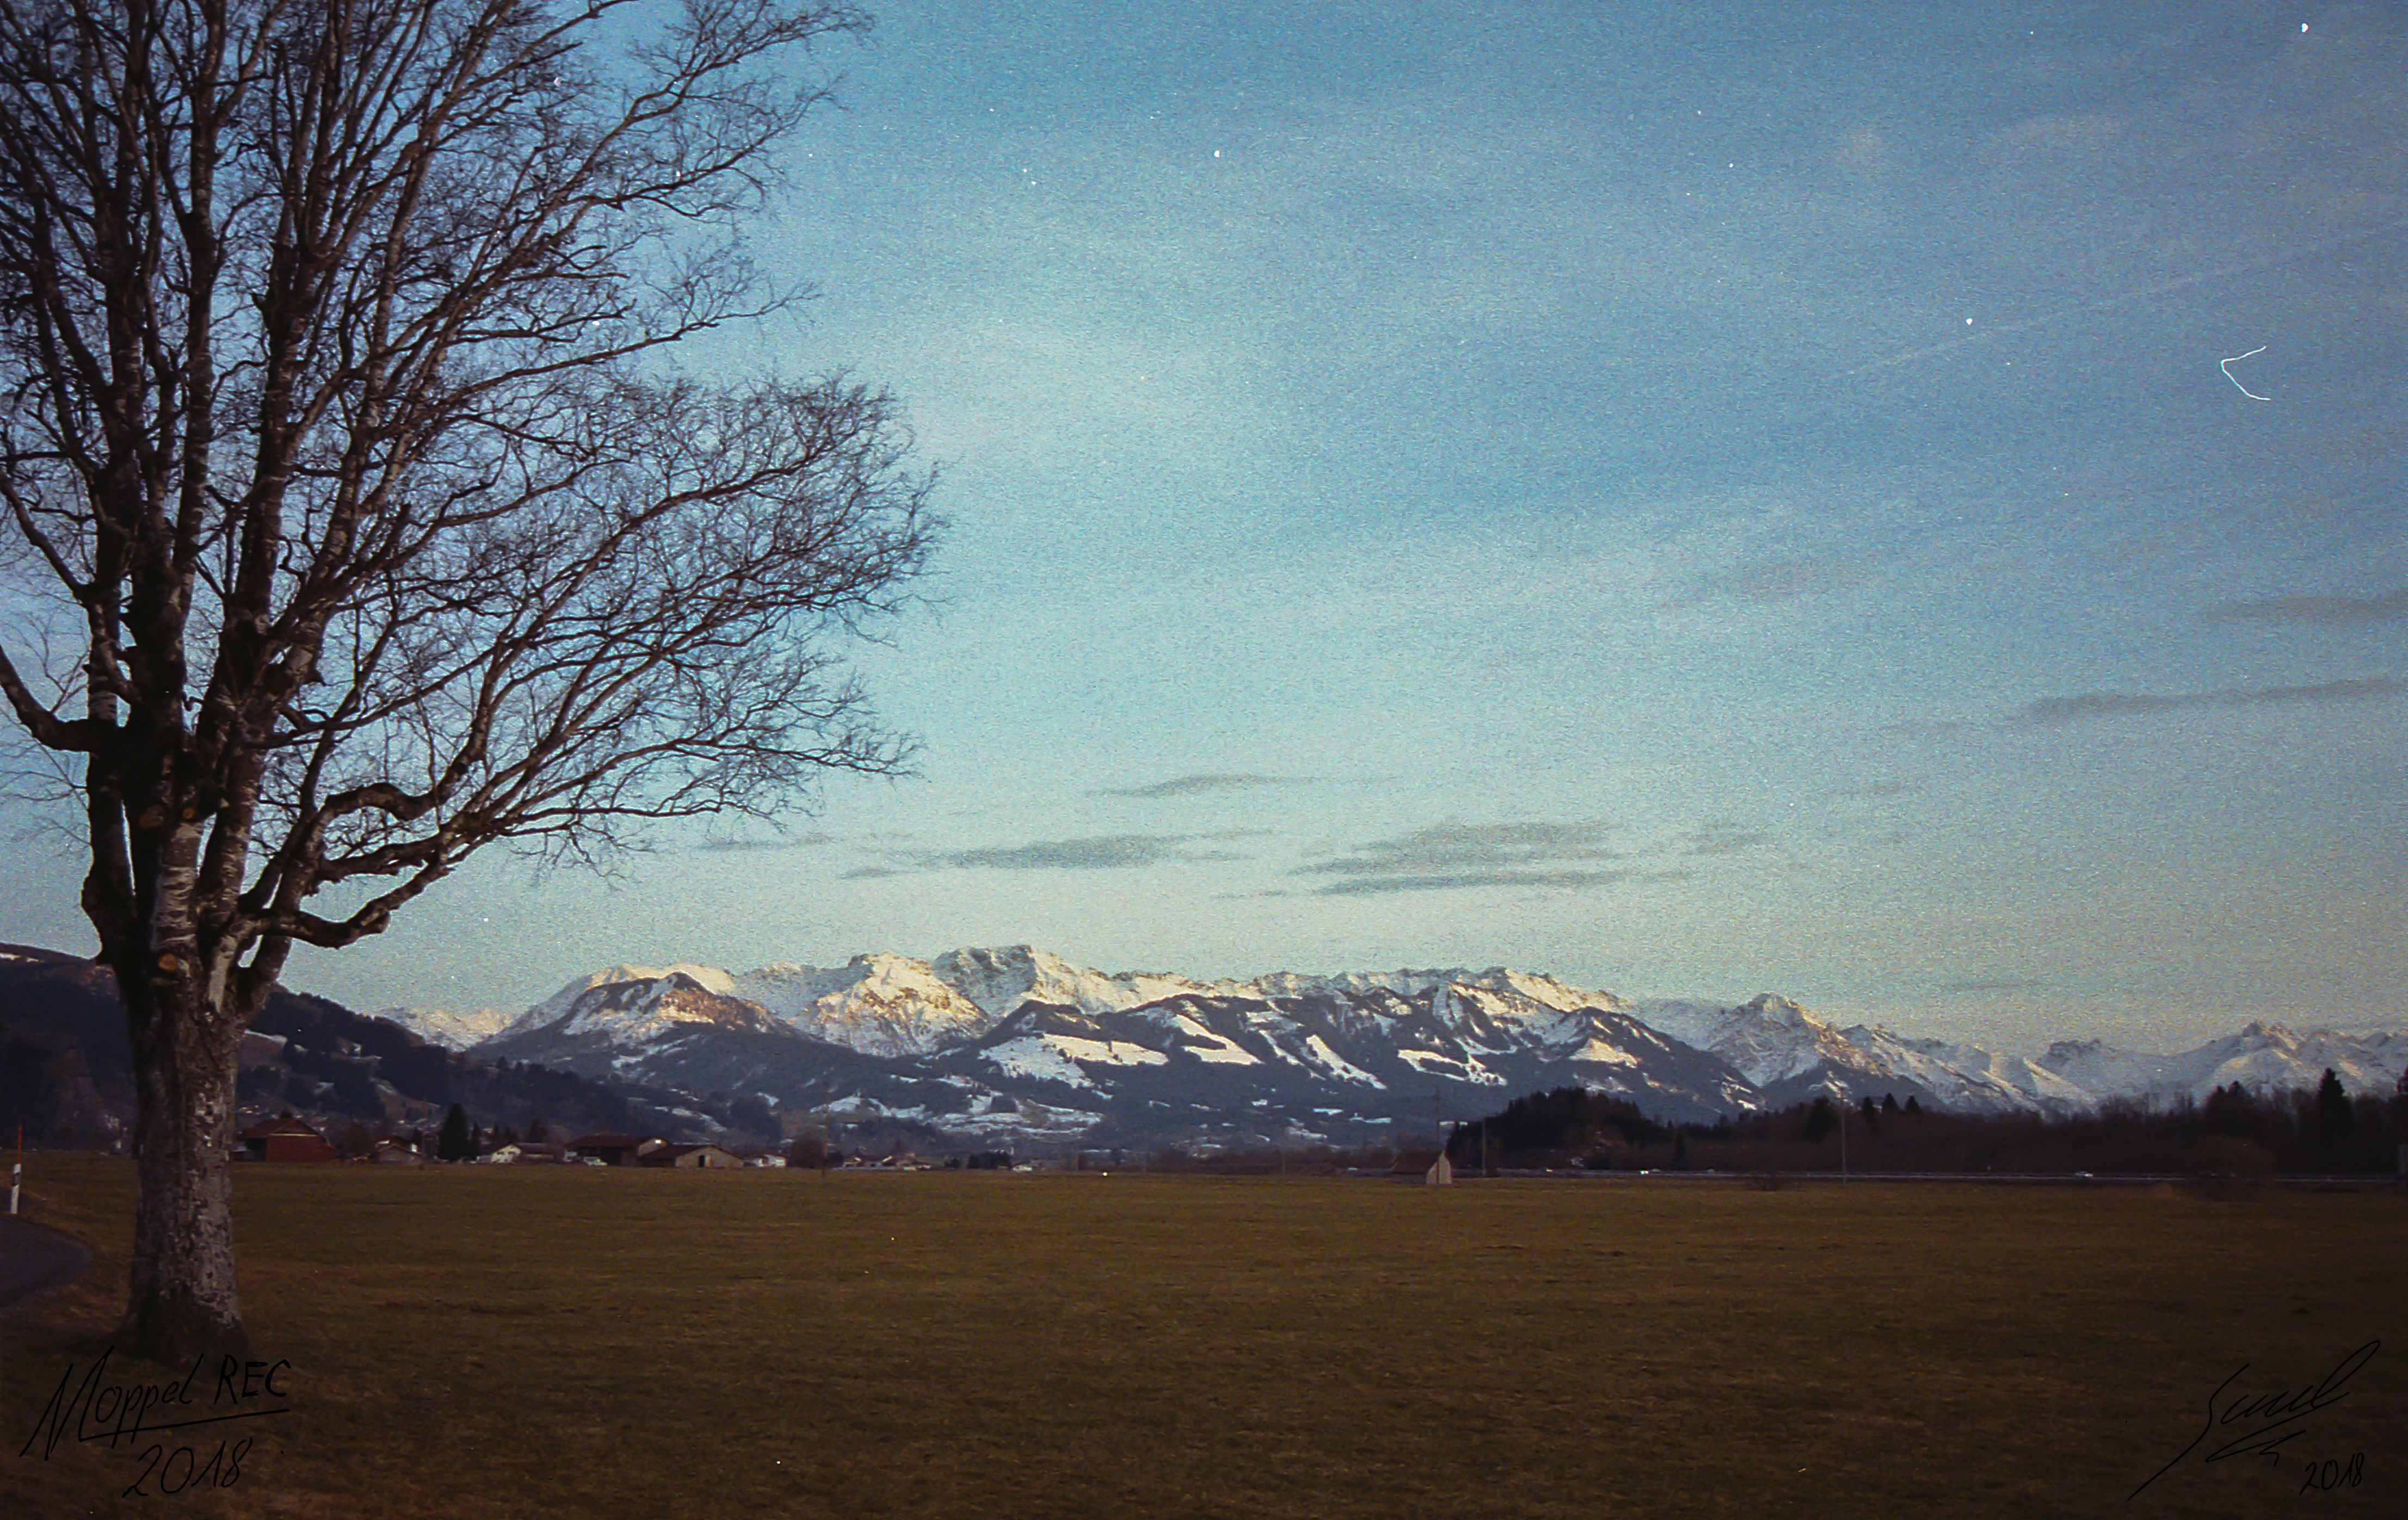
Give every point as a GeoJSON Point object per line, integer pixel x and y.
{"type": "Point", "coordinates": [2266, 1421]}
{"type": "Point", "coordinates": [99, 1410]}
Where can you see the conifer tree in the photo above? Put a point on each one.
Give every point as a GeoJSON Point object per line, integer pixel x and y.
{"type": "Point", "coordinates": [2334, 1120]}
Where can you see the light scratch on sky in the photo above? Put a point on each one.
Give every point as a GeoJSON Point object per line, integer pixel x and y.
{"type": "Point", "coordinates": [2274, 261]}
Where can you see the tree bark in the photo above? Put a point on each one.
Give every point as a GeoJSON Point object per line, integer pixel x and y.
{"type": "Point", "coordinates": [181, 1300]}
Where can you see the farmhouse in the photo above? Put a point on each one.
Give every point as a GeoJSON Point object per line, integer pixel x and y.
{"type": "Point", "coordinates": [284, 1139]}
{"type": "Point", "coordinates": [689, 1155]}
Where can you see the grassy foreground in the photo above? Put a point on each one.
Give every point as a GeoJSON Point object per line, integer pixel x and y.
{"type": "Point", "coordinates": [569, 1342]}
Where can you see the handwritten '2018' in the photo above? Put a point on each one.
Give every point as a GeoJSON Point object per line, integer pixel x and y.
{"type": "Point", "coordinates": [2331, 1474]}
{"type": "Point", "coordinates": [223, 1469]}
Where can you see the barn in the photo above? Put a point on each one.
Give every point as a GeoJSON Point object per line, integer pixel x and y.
{"type": "Point", "coordinates": [283, 1139]}
{"type": "Point", "coordinates": [690, 1156]}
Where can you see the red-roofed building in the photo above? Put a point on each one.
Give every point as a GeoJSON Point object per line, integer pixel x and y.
{"type": "Point", "coordinates": [284, 1139]}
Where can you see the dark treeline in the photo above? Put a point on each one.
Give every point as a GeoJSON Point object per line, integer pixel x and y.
{"type": "Point", "coordinates": [2322, 1132]}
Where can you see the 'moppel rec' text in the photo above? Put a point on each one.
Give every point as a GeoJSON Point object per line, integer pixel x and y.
{"type": "Point", "coordinates": [120, 1413]}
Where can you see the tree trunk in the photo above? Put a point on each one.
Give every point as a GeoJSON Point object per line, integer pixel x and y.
{"type": "Point", "coordinates": [182, 1301]}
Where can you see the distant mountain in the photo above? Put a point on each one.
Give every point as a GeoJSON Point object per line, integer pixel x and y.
{"type": "Point", "coordinates": [879, 1005]}
{"type": "Point", "coordinates": [1015, 1045]}
{"type": "Point", "coordinates": [451, 1028]}
{"type": "Point", "coordinates": [1792, 1056]}
{"type": "Point", "coordinates": [66, 1068]}
{"type": "Point", "coordinates": [1019, 1042]}
{"type": "Point", "coordinates": [2261, 1058]}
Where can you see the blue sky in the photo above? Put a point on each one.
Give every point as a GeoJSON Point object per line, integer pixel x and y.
{"type": "Point", "coordinates": [1747, 499]}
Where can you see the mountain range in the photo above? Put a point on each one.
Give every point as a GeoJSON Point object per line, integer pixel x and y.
{"type": "Point", "coordinates": [1021, 1044]}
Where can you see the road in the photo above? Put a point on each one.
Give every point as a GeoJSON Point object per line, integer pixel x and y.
{"type": "Point", "coordinates": [33, 1259]}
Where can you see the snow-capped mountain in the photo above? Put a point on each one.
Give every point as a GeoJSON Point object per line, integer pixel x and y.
{"type": "Point", "coordinates": [879, 1005]}
{"type": "Point", "coordinates": [1790, 1055]}
{"type": "Point", "coordinates": [2262, 1057]}
{"type": "Point", "coordinates": [1020, 1041]}
{"type": "Point", "coordinates": [1366, 1055]}
{"type": "Point", "coordinates": [710, 977]}
{"type": "Point", "coordinates": [1770, 1040]}
{"type": "Point", "coordinates": [1000, 980]}
{"type": "Point", "coordinates": [1010, 1031]}
{"type": "Point", "coordinates": [1956, 1076]}
{"type": "Point", "coordinates": [452, 1028]}
{"type": "Point", "coordinates": [610, 1028]}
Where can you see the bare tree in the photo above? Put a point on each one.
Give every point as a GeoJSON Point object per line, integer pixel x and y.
{"type": "Point", "coordinates": [371, 520]}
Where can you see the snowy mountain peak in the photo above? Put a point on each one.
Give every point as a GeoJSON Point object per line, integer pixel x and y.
{"type": "Point", "coordinates": [1408, 984]}
{"type": "Point", "coordinates": [1001, 979]}
{"type": "Point", "coordinates": [1773, 1006]}
{"type": "Point", "coordinates": [552, 1008]}
{"type": "Point", "coordinates": [879, 1004]}
{"type": "Point", "coordinates": [452, 1028]}
{"type": "Point", "coordinates": [1546, 991]}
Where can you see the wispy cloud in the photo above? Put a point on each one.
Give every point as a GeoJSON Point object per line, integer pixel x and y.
{"type": "Point", "coordinates": [1477, 846]}
{"type": "Point", "coordinates": [2330, 611]}
{"type": "Point", "coordinates": [1570, 856]}
{"type": "Point", "coordinates": [1996, 984]}
{"type": "Point", "coordinates": [2051, 711]}
{"type": "Point", "coordinates": [1101, 852]}
{"type": "Point", "coordinates": [1368, 886]}
{"type": "Point", "coordinates": [787, 842]}
{"type": "Point", "coordinates": [1443, 856]}
{"type": "Point", "coordinates": [1718, 839]}
{"type": "Point", "coordinates": [1184, 786]}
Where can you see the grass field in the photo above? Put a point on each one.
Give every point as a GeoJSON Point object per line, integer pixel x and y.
{"type": "Point", "coordinates": [569, 1343]}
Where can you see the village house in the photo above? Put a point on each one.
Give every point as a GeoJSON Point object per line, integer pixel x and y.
{"type": "Point", "coordinates": [283, 1139]}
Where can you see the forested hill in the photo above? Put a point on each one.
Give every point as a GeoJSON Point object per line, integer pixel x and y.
{"type": "Point", "coordinates": [66, 1068]}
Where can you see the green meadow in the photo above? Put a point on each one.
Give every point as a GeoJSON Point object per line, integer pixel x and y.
{"type": "Point", "coordinates": [475, 1341]}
